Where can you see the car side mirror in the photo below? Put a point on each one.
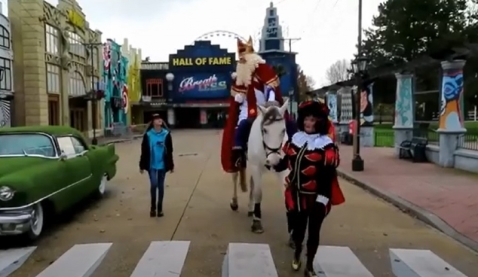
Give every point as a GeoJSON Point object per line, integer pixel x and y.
{"type": "Point", "coordinates": [63, 156]}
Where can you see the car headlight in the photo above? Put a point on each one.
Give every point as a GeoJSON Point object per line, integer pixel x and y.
{"type": "Point", "coordinates": [6, 193]}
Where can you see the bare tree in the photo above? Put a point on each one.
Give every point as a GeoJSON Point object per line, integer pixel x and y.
{"type": "Point", "coordinates": [305, 83]}
{"type": "Point", "coordinates": [338, 71]}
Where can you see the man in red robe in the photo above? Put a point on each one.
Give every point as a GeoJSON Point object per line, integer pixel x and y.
{"type": "Point", "coordinates": [256, 83]}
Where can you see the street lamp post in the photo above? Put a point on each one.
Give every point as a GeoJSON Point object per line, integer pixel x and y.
{"type": "Point", "coordinates": [359, 66]}
{"type": "Point", "coordinates": [94, 98]}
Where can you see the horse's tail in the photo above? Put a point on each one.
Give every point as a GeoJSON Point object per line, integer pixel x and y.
{"type": "Point", "coordinates": [242, 179]}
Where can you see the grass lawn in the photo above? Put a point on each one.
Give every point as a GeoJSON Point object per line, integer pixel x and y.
{"type": "Point", "coordinates": [384, 136]}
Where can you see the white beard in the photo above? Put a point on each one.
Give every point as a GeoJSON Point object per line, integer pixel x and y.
{"type": "Point", "coordinates": [245, 71]}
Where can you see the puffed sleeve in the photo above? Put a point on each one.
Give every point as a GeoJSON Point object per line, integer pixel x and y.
{"type": "Point", "coordinates": [327, 173]}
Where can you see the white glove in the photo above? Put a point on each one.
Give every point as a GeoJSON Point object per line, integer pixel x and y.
{"type": "Point", "coordinates": [322, 199]}
{"type": "Point", "coordinates": [239, 98]}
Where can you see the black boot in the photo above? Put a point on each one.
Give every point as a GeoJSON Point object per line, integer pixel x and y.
{"type": "Point", "coordinates": [152, 212]}
{"type": "Point", "coordinates": [296, 262]}
{"type": "Point", "coordinates": [309, 269]}
{"type": "Point", "coordinates": [237, 157]}
{"type": "Point", "coordinates": [160, 211]}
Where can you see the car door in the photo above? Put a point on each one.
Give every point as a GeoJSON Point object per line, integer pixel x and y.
{"type": "Point", "coordinates": [77, 165]}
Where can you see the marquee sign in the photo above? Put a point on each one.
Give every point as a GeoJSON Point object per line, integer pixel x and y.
{"type": "Point", "coordinates": [206, 84]}
{"type": "Point", "coordinates": [201, 61]}
{"type": "Point", "coordinates": [202, 57]}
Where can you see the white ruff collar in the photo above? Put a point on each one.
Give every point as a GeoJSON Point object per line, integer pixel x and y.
{"type": "Point", "coordinates": [314, 141]}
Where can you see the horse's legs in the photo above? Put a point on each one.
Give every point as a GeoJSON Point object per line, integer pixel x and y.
{"type": "Point", "coordinates": [250, 211]}
{"type": "Point", "coordinates": [257, 199]}
{"type": "Point", "coordinates": [234, 203]}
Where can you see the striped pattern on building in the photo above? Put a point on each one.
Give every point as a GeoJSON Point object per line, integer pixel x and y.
{"type": "Point", "coordinates": [5, 119]}
{"type": "Point", "coordinates": [167, 259]}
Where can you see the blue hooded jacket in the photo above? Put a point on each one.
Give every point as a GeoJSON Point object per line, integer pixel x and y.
{"type": "Point", "coordinates": [157, 147]}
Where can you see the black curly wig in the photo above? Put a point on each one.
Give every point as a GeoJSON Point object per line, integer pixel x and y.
{"type": "Point", "coordinates": [317, 110]}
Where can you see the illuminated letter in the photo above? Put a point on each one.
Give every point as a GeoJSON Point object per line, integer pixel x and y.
{"type": "Point", "coordinates": [198, 61]}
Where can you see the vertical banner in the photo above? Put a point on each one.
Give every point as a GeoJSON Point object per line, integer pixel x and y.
{"type": "Point", "coordinates": [203, 117]}
{"type": "Point", "coordinates": [366, 106]}
{"type": "Point", "coordinates": [332, 105]}
{"type": "Point", "coordinates": [451, 110]}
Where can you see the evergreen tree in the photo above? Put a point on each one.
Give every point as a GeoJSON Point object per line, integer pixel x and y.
{"type": "Point", "coordinates": [405, 29]}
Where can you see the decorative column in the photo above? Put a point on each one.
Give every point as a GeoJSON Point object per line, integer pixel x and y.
{"type": "Point", "coordinates": [451, 110]}
{"type": "Point", "coordinates": [404, 110]}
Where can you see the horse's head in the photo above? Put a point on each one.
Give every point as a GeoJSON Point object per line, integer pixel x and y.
{"type": "Point", "coordinates": [273, 130]}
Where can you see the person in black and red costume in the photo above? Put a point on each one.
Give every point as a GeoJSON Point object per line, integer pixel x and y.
{"type": "Point", "coordinates": [311, 186]}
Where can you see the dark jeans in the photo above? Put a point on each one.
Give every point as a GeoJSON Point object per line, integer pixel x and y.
{"type": "Point", "coordinates": [156, 179]}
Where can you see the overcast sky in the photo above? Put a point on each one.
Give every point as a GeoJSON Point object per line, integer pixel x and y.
{"type": "Point", "coordinates": [327, 28]}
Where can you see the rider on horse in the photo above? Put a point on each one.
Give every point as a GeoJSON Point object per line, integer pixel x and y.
{"type": "Point", "coordinates": [256, 83]}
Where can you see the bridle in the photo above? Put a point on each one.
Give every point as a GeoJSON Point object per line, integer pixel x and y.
{"type": "Point", "coordinates": [270, 150]}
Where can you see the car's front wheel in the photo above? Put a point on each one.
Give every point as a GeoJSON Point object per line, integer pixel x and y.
{"type": "Point", "coordinates": [37, 222]}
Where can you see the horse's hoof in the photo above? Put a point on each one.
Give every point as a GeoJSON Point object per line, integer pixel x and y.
{"type": "Point", "coordinates": [250, 214]}
{"type": "Point", "coordinates": [234, 206]}
{"type": "Point", "coordinates": [257, 227]}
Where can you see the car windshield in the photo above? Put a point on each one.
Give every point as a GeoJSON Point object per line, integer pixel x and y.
{"type": "Point", "coordinates": [26, 144]}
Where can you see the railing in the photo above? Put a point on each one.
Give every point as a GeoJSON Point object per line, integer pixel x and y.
{"type": "Point", "coordinates": [386, 138]}
{"type": "Point", "coordinates": [469, 140]}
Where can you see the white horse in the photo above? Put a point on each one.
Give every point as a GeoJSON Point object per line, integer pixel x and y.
{"type": "Point", "coordinates": [268, 135]}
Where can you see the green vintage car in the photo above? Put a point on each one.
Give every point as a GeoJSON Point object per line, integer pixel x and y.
{"type": "Point", "coordinates": [45, 170]}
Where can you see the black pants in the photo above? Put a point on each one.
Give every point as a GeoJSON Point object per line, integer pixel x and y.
{"type": "Point", "coordinates": [312, 217]}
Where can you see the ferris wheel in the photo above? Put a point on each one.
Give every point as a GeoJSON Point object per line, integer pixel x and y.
{"type": "Point", "coordinates": [224, 34]}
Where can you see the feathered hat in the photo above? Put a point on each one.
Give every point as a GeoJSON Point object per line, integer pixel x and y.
{"type": "Point", "coordinates": [245, 47]}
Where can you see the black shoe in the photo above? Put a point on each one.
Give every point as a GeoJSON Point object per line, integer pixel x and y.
{"type": "Point", "coordinates": [296, 263]}
{"type": "Point", "coordinates": [237, 157]}
{"type": "Point", "coordinates": [160, 214]}
{"type": "Point", "coordinates": [309, 272]}
{"type": "Point", "coordinates": [152, 213]}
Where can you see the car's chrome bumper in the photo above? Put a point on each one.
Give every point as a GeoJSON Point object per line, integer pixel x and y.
{"type": "Point", "coordinates": [15, 222]}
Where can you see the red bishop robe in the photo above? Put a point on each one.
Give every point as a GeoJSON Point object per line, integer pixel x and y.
{"type": "Point", "coordinates": [264, 75]}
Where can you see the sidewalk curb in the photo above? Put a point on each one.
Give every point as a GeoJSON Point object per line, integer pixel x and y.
{"type": "Point", "coordinates": [412, 209]}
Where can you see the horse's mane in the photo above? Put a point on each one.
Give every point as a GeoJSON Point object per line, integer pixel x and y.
{"type": "Point", "coordinates": [272, 114]}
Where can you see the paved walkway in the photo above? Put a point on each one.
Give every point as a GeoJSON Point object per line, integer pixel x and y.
{"type": "Point", "coordinates": [444, 198]}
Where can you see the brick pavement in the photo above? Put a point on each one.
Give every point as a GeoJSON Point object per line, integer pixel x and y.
{"type": "Point", "coordinates": [450, 194]}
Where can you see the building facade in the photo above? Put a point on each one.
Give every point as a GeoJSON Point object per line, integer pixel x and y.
{"type": "Point", "coordinates": [133, 55]}
{"type": "Point", "coordinates": [154, 93]}
{"type": "Point", "coordinates": [191, 90]}
{"type": "Point", "coordinates": [57, 61]}
{"type": "Point", "coordinates": [115, 67]}
{"type": "Point", "coordinates": [6, 72]}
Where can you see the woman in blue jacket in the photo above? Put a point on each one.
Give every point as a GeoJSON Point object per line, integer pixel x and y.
{"type": "Point", "coordinates": [156, 159]}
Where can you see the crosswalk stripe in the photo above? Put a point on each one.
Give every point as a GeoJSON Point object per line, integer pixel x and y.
{"type": "Point", "coordinates": [79, 261]}
{"type": "Point", "coordinates": [167, 259]}
{"type": "Point", "coordinates": [13, 259]}
{"type": "Point", "coordinates": [248, 259]}
{"type": "Point", "coordinates": [339, 261]}
{"type": "Point", "coordinates": [420, 263]}
{"type": "Point", "coordinates": [162, 258]}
